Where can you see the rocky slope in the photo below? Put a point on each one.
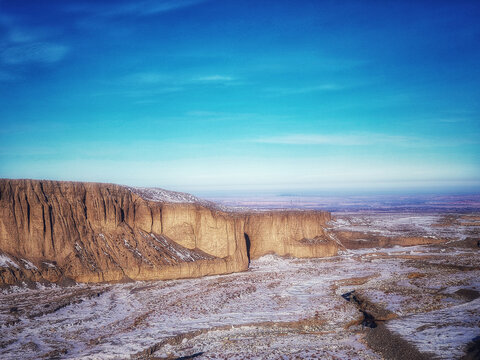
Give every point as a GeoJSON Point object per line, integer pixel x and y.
{"type": "Point", "coordinates": [90, 232]}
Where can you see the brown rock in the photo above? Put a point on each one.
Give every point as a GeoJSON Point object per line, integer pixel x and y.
{"type": "Point", "coordinates": [361, 240]}
{"type": "Point", "coordinates": [92, 232]}
{"type": "Point", "coordinates": [289, 233]}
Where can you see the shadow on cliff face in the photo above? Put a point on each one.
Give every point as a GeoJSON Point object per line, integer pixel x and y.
{"type": "Point", "coordinates": [247, 243]}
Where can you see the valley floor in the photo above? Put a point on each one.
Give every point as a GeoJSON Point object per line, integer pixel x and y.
{"type": "Point", "coordinates": [422, 301]}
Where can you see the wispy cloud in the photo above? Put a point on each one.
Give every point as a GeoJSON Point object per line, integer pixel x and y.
{"type": "Point", "coordinates": [37, 52]}
{"type": "Point", "coordinates": [140, 95]}
{"type": "Point", "coordinates": [23, 44]}
{"type": "Point", "coordinates": [147, 78]}
{"type": "Point", "coordinates": [305, 60]}
{"type": "Point", "coordinates": [453, 120]}
{"type": "Point", "coordinates": [236, 116]}
{"type": "Point", "coordinates": [145, 85]}
{"type": "Point", "coordinates": [214, 78]}
{"type": "Point", "coordinates": [281, 91]}
{"type": "Point", "coordinates": [132, 8]}
{"type": "Point", "coordinates": [337, 139]}
{"type": "Point", "coordinates": [20, 35]}
{"type": "Point", "coordinates": [145, 8]}
{"type": "Point", "coordinates": [365, 139]}
{"type": "Point", "coordinates": [154, 78]}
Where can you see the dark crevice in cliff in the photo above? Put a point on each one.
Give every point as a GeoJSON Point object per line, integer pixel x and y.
{"type": "Point", "coordinates": [151, 217]}
{"type": "Point", "coordinates": [122, 215]}
{"type": "Point", "coordinates": [13, 211]}
{"type": "Point", "coordinates": [45, 198]}
{"type": "Point", "coordinates": [28, 212]}
{"type": "Point", "coordinates": [44, 222]}
{"type": "Point", "coordinates": [134, 209]}
{"type": "Point", "coordinates": [83, 201]}
{"type": "Point", "coordinates": [50, 216]}
{"type": "Point", "coordinates": [248, 244]}
{"type": "Point", "coordinates": [104, 210]}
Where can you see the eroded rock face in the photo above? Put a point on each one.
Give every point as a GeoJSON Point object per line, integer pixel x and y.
{"type": "Point", "coordinates": [93, 232]}
{"type": "Point", "coordinates": [289, 233]}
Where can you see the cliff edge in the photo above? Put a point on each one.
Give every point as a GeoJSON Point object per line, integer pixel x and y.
{"type": "Point", "coordinates": [91, 232]}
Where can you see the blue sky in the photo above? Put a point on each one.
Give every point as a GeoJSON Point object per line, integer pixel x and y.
{"type": "Point", "coordinates": [208, 96]}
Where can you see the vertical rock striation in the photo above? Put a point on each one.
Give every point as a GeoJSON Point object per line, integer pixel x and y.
{"type": "Point", "coordinates": [289, 233]}
{"type": "Point", "coordinates": [90, 232]}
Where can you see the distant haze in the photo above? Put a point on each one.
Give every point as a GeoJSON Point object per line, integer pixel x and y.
{"type": "Point", "coordinates": [214, 97]}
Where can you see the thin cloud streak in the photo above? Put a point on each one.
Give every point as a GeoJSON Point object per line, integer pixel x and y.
{"type": "Point", "coordinates": [141, 8]}
{"type": "Point", "coordinates": [339, 140]}
{"type": "Point", "coordinates": [303, 90]}
{"type": "Point", "coordinates": [364, 139]}
{"type": "Point", "coordinates": [214, 78]}
{"type": "Point", "coordinates": [147, 78]}
{"type": "Point", "coordinates": [153, 78]}
{"type": "Point", "coordinates": [37, 52]}
{"type": "Point", "coordinates": [258, 118]}
{"type": "Point", "coordinates": [147, 84]}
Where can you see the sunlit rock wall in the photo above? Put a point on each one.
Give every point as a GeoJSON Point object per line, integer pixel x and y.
{"type": "Point", "coordinates": [90, 232]}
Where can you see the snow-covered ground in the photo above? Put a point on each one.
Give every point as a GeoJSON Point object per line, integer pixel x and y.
{"type": "Point", "coordinates": [409, 224]}
{"type": "Point", "coordinates": [168, 196]}
{"type": "Point", "coordinates": [279, 308]}
{"type": "Point", "coordinates": [441, 331]}
{"type": "Point", "coordinates": [162, 195]}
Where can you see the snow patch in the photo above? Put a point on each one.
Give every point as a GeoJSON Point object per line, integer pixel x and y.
{"type": "Point", "coordinates": [168, 196]}
{"type": "Point", "coordinates": [162, 195]}
{"type": "Point", "coordinates": [28, 265]}
{"type": "Point", "coordinates": [444, 332]}
{"type": "Point", "coordinates": [176, 253]}
{"type": "Point", "coordinates": [5, 261]}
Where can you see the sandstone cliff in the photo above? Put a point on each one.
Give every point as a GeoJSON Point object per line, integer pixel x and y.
{"type": "Point", "coordinates": [91, 232]}
{"type": "Point", "coordinates": [289, 233]}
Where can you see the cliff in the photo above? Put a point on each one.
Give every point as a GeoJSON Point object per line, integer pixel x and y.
{"type": "Point", "coordinates": [289, 233]}
{"type": "Point", "coordinates": [89, 232]}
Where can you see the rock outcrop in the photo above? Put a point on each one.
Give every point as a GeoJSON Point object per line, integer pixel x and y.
{"type": "Point", "coordinates": [289, 233]}
{"type": "Point", "coordinates": [90, 232]}
{"type": "Point", "coordinates": [363, 240]}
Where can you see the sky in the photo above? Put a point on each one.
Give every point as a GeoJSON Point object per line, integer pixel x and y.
{"type": "Point", "coordinates": [239, 96]}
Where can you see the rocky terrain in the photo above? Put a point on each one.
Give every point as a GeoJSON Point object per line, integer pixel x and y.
{"type": "Point", "coordinates": [87, 232]}
{"type": "Point", "coordinates": [294, 283]}
{"type": "Point", "coordinates": [412, 302]}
